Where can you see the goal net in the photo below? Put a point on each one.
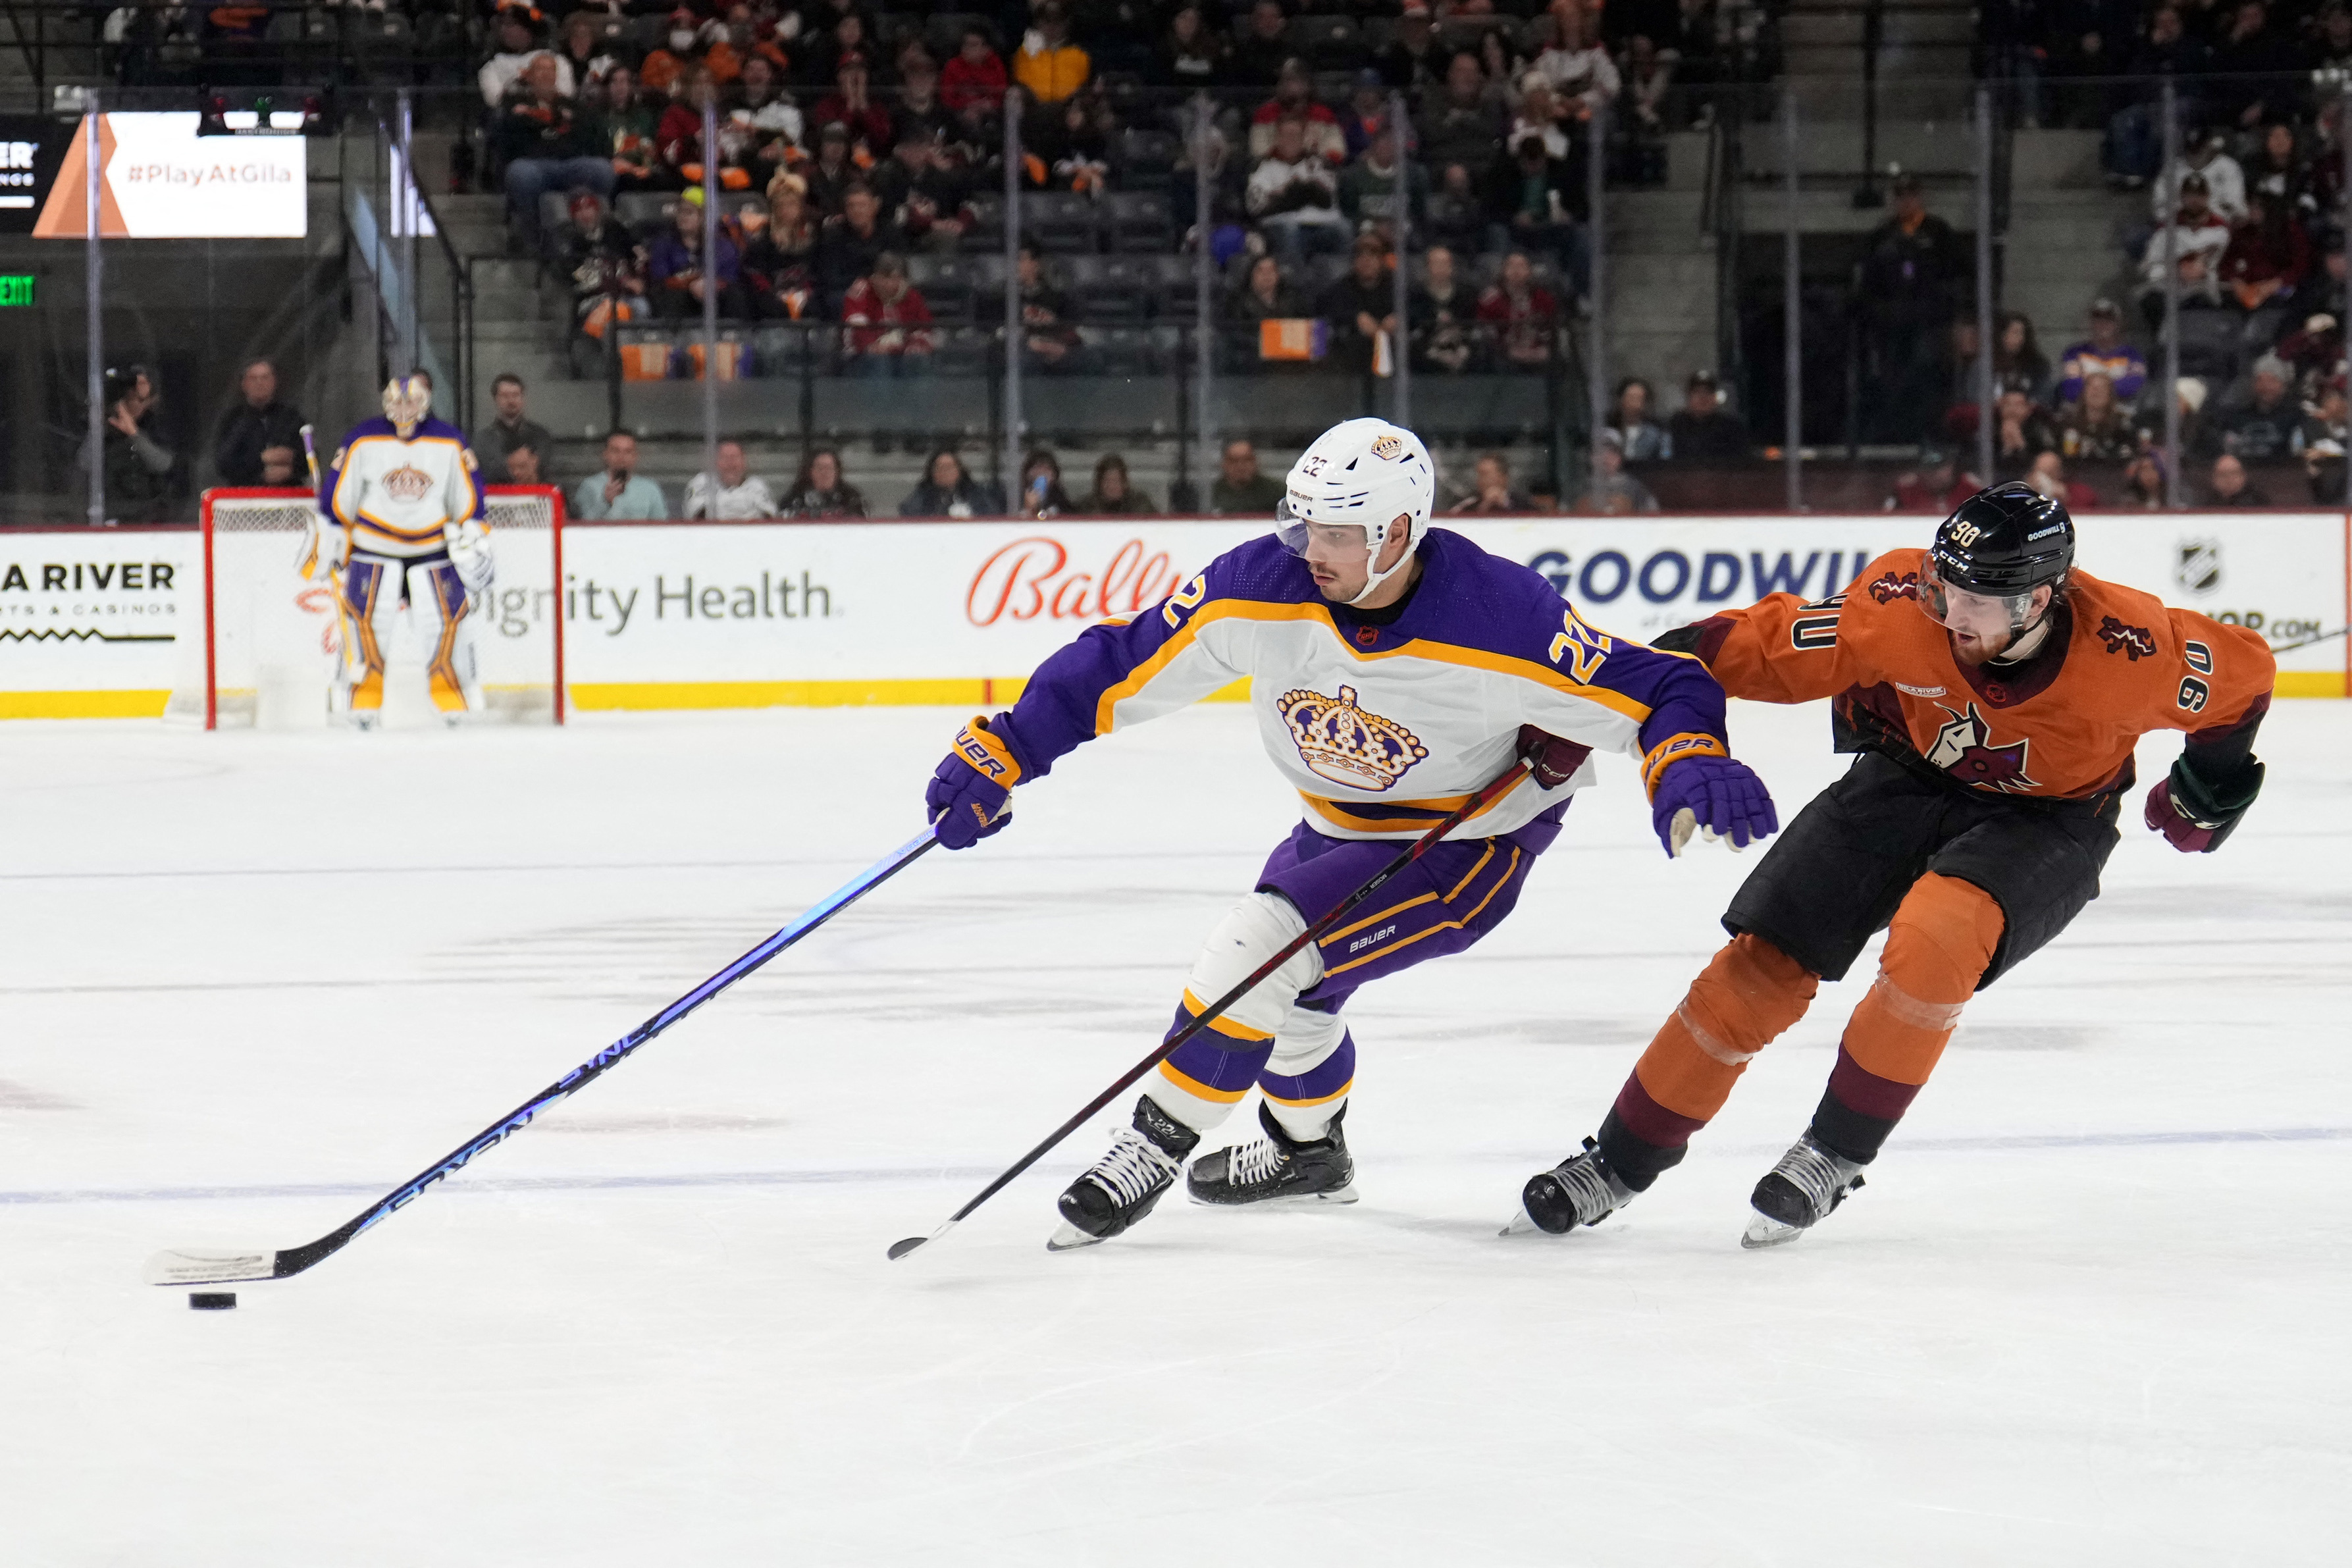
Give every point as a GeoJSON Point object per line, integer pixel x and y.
{"type": "Point", "coordinates": [270, 637]}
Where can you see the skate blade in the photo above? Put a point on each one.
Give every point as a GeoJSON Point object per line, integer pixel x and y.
{"type": "Point", "coordinates": [1521, 1224]}
{"type": "Point", "coordinates": [1764, 1231]}
{"type": "Point", "coordinates": [1067, 1238]}
{"type": "Point", "coordinates": [1346, 1194]}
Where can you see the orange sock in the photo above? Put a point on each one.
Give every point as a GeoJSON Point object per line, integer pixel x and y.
{"type": "Point", "coordinates": [1747, 994]}
{"type": "Point", "coordinates": [1943, 939]}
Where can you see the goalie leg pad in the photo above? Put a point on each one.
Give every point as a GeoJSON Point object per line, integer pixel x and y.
{"type": "Point", "coordinates": [1203, 1078]}
{"type": "Point", "coordinates": [437, 599]}
{"type": "Point", "coordinates": [369, 600]}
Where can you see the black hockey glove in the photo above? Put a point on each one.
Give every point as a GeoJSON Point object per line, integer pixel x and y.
{"type": "Point", "coordinates": [2194, 813]}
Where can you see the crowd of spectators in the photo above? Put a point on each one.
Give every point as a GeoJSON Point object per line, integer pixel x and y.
{"type": "Point", "coordinates": [860, 151]}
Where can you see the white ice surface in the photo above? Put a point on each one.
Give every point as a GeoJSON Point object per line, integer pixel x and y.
{"type": "Point", "coordinates": [2090, 1308]}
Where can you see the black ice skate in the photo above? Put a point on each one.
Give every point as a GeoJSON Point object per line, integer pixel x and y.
{"type": "Point", "coordinates": [1277, 1168]}
{"type": "Point", "coordinates": [1121, 1188]}
{"type": "Point", "coordinates": [1808, 1182]}
{"type": "Point", "coordinates": [1579, 1190]}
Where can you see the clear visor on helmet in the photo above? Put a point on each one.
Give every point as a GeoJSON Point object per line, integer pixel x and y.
{"type": "Point", "coordinates": [1297, 533]}
{"type": "Point", "coordinates": [1957, 609]}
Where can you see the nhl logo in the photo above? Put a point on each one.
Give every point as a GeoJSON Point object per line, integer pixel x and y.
{"type": "Point", "coordinates": [1388, 448]}
{"type": "Point", "coordinates": [2197, 567]}
{"type": "Point", "coordinates": [408, 484]}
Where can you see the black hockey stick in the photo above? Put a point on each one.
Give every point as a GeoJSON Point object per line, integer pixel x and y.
{"type": "Point", "coordinates": [1216, 1009]}
{"type": "Point", "coordinates": [184, 1267]}
{"type": "Point", "coordinates": [2309, 641]}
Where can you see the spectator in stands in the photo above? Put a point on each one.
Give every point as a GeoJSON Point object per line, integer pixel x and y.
{"type": "Point", "coordinates": [1644, 104]}
{"type": "Point", "coordinates": [918, 107]}
{"type": "Point", "coordinates": [1519, 316]}
{"type": "Point", "coordinates": [1360, 306]}
{"type": "Point", "coordinates": [2313, 349]}
{"type": "Point", "coordinates": [851, 243]}
{"type": "Point", "coordinates": [1294, 99]}
{"type": "Point", "coordinates": [543, 147]}
{"type": "Point", "coordinates": [2278, 167]}
{"type": "Point", "coordinates": [1456, 214]}
{"type": "Point", "coordinates": [975, 77]}
{"type": "Point", "coordinates": [1368, 190]}
{"type": "Point", "coordinates": [662, 69]}
{"type": "Point", "coordinates": [1913, 269]}
{"type": "Point", "coordinates": [1535, 202]}
{"type": "Point", "coordinates": [829, 176]}
{"type": "Point", "coordinates": [255, 424]}
{"type": "Point", "coordinates": [2262, 429]}
{"type": "Point", "coordinates": [887, 322]}
{"type": "Point", "coordinates": [1240, 488]}
{"type": "Point", "coordinates": [2228, 485]}
{"type": "Point", "coordinates": [2144, 484]}
{"type": "Point", "coordinates": [2017, 358]}
{"type": "Point", "coordinates": [1265, 295]}
{"type": "Point", "coordinates": [2247, 54]}
{"type": "Point", "coordinates": [606, 267]}
{"type": "Point", "coordinates": [1265, 48]}
{"type": "Point", "coordinates": [136, 465]}
{"type": "Point", "coordinates": [1542, 114]}
{"type": "Point", "coordinates": [2021, 433]}
{"type": "Point", "coordinates": [522, 468]}
{"type": "Point", "coordinates": [1612, 491]}
{"type": "Point", "coordinates": [623, 130]}
{"type": "Point", "coordinates": [2047, 473]}
{"type": "Point", "coordinates": [1491, 492]}
{"type": "Point", "coordinates": [742, 493]}
{"type": "Point", "coordinates": [1935, 486]}
{"type": "Point", "coordinates": [1293, 196]}
{"type": "Point", "coordinates": [1703, 430]}
{"type": "Point", "coordinates": [619, 492]}
{"type": "Point", "coordinates": [592, 48]}
{"type": "Point", "coordinates": [2190, 393]}
{"type": "Point", "coordinates": [1041, 494]}
{"type": "Point", "coordinates": [1049, 340]}
{"type": "Point", "coordinates": [1367, 113]}
{"type": "Point", "coordinates": [1640, 437]}
{"type": "Point", "coordinates": [2321, 443]}
{"type": "Point", "coordinates": [1073, 143]}
{"type": "Point", "coordinates": [2135, 140]}
{"type": "Point", "coordinates": [819, 489]}
{"type": "Point", "coordinates": [675, 268]}
{"type": "Point", "coordinates": [918, 198]}
{"type": "Point", "coordinates": [1191, 54]}
{"type": "Point", "coordinates": [851, 106]}
{"type": "Point", "coordinates": [1413, 59]}
{"type": "Point", "coordinates": [2205, 157]}
{"type": "Point", "coordinates": [510, 425]}
{"type": "Point", "coordinates": [1577, 67]}
{"type": "Point", "coordinates": [948, 490]}
{"type": "Point", "coordinates": [2268, 259]}
{"type": "Point", "coordinates": [1049, 67]}
{"type": "Point", "coordinates": [515, 31]}
{"type": "Point", "coordinates": [2096, 428]}
{"type": "Point", "coordinates": [1462, 124]}
{"type": "Point", "coordinates": [1442, 317]}
{"type": "Point", "coordinates": [1115, 494]}
{"type": "Point", "coordinates": [2104, 352]}
{"type": "Point", "coordinates": [770, 119]}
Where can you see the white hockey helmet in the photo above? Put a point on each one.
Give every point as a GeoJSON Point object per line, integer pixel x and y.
{"type": "Point", "coordinates": [1366, 473]}
{"type": "Point", "coordinates": [407, 401]}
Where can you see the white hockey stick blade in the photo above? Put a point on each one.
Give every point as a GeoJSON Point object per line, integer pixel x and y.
{"type": "Point", "coordinates": [901, 1248]}
{"type": "Point", "coordinates": [210, 1268]}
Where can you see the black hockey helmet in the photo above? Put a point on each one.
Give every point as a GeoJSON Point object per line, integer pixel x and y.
{"type": "Point", "coordinates": [2004, 541]}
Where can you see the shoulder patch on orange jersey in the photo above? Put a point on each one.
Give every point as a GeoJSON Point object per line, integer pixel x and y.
{"type": "Point", "coordinates": [1890, 586]}
{"type": "Point", "coordinates": [2136, 643]}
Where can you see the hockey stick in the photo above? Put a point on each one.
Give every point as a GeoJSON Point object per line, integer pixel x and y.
{"type": "Point", "coordinates": [2309, 641]}
{"type": "Point", "coordinates": [184, 1268]}
{"type": "Point", "coordinates": [1216, 1009]}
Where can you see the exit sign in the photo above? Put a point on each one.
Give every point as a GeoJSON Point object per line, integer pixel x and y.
{"type": "Point", "coordinates": [15, 289]}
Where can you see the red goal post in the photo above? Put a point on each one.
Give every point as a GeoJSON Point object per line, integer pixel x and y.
{"type": "Point", "coordinates": [270, 636]}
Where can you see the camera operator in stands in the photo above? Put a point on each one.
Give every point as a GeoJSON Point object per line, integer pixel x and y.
{"type": "Point", "coordinates": [138, 469]}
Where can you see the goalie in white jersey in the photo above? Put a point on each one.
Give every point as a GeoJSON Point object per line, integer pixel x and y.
{"type": "Point", "coordinates": [1396, 670]}
{"type": "Point", "coordinates": [401, 517]}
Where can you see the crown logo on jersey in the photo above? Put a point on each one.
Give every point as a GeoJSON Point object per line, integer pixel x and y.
{"type": "Point", "coordinates": [1340, 742]}
{"type": "Point", "coordinates": [406, 483]}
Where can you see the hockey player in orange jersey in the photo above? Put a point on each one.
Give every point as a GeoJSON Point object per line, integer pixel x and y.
{"type": "Point", "coordinates": [1995, 694]}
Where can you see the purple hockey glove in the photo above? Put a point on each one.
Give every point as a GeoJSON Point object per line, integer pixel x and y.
{"type": "Point", "coordinates": [970, 791]}
{"type": "Point", "coordinates": [1714, 795]}
{"type": "Point", "coordinates": [2195, 814]}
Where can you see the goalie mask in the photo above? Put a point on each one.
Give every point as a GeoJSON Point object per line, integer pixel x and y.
{"type": "Point", "coordinates": [408, 402]}
{"type": "Point", "coordinates": [1363, 474]}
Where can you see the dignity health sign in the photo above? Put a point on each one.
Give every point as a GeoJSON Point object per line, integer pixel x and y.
{"type": "Point", "coordinates": [160, 180]}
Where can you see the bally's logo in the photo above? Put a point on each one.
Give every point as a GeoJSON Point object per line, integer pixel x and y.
{"type": "Point", "coordinates": [408, 484]}
{"type": "Point", "coordinates": [1340, 742]}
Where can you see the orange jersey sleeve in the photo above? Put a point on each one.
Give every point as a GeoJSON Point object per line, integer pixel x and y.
{"type": "Point", "coordinates": [2061, 724]}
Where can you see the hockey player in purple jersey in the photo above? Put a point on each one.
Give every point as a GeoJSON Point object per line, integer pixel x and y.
{"type": "Point", "coordinates": [1395, 670]}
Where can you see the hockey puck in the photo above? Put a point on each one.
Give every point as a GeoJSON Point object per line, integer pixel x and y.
{"type": "Point", "coordinates": [212, 1301]}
